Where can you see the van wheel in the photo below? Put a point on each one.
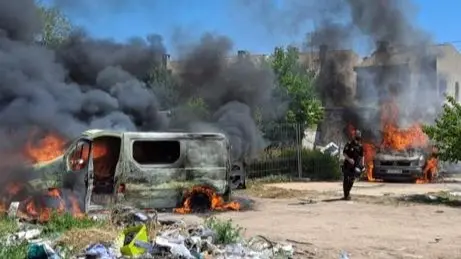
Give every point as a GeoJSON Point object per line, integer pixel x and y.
{"type": "Point", "coordinates": [227, 195]}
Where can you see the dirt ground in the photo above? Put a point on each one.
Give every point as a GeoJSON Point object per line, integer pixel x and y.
{"type": "Point", "coordinates": [365, 227]}
{"type": "Point", "coordinates": [371, 189]}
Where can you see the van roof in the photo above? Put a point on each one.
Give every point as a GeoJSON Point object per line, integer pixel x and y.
{"type": "Point", "coordinates": [95, 133]}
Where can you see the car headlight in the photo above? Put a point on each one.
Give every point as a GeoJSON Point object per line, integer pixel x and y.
{"type": "Point", "coordinates": [421, 160]}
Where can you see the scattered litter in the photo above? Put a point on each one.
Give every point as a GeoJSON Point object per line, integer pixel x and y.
{"type": "Point", "coordinates": [128, 216]}
{"type": "Point", "coordinates": [134, 242]}
{"type": "Point", "coordinates": [299, 242]}
{"type": "Point", "coordinates": [13, 209]}
{"type": "Point", "coordinates": [432, 197]}
{"type": "Point", "coordinates": [41, 251]}
{"type": "Point", "coordinates": [457, 194]}
{"type": "Point", "coordinates": [25, 235]}
{"type": "Point", "coordinates": [436, 240]}
{"type": "Point", "coordinates": [99, 251]}
{"type": "Point", "coordinates": [344, 255]}
{"type": "Point", "coordinates": [171, 238]}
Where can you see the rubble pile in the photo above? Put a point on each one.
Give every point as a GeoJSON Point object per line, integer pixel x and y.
{"type": "Point", "coordinates": [148, 235]}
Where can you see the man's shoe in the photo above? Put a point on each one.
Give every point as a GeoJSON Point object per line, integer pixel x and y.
{"type": "Point", "coordinates": [347, 198]}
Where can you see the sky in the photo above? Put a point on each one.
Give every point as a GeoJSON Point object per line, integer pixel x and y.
{"type": "Point", "coordinates": [188, 19]}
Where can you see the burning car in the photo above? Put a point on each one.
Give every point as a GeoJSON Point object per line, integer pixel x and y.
{"type": "Point", "coordinates": [407, 165]}
{"type": "Point", "coordinates": [144, 169]}
{"type": "Point", "coordinates": [399, 153]}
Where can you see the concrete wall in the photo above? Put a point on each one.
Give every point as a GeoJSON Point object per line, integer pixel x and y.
{"type": "Point", "coordinates": [449, 69]}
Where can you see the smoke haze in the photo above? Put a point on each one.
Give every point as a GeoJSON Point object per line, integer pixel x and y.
{"type": "Point", "coordinates": [356, 25]}
{"type": "Point", "coordinates": [94, 83]}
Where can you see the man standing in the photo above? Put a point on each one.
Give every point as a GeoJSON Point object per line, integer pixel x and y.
{"type": "Point", "coordinates": [353, 163]}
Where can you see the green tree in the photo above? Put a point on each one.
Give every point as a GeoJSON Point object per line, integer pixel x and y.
{"type": "Point", "coordinates": [163, 84]}
{"type": "Point", "coordinates": [446, 131]}
{"type": "Point", "coordinates": [298, 84]}
{"type": "Point", "coordinates": [56, 26]}
{"type": "Point", "coordinates": [198, 106]}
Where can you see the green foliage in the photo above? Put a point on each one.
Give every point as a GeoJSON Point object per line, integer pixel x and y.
{"type": "Point", "coordinates": [14, 251]}
{"type": "Point", "coordinates": [56, 26]}
{"type": "Point", "coordinates": [446, 132]}
{"type": "Point", "coordinates": [59, 223]}
{"type": "Point", "coordinates": [315, 165]}
{"type": "Point", "coordinates": [164, 85]}
{"type": "Point", "coordinates": [226, 231]}
{"type": "Point", "coordinates": [298, 84]}
{"type": "Point", "coordinates": [7, 226]}
{"type": "Point", "coordinates": [198, 106]}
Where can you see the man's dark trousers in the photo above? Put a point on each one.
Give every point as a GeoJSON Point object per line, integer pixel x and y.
{"type": "Point", "coordinates": [348, 182]}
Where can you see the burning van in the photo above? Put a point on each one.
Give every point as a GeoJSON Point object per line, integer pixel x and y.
{"type": "Point", "coordinates": [142, 169]}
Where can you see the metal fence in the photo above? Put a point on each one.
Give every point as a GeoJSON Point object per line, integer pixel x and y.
{"type": "Point", "coordinates": [290, 153]}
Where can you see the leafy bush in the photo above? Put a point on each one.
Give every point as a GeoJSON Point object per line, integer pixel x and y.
{"type": "Point", "coordinates": [226, 232]}
{"type": "Point", "coordinates": [315, 165]}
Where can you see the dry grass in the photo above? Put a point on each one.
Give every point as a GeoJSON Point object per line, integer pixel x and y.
{"type": "Point", "coordinates": [269, 192]}
{"type": "Point", "coordinates": [259, 188]}
{"type": "Point", "coordinates": [78, 239]}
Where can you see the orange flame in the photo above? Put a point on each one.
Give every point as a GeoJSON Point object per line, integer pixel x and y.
{"type": "Point", "coordinates": [396, 138]}
{"type": "Point", "coordinates": [11, 191]}
{"type": "Point", "coordinates": [369, 152]}
{"type": "Point", "coordinates": [34, 208]}
{"type": "Point", "coordinates": [216, 202]}
{"type": "Point", "coordinates": [99, 150]}
{"type": "Point", "coordinates": [48, 148]}
{"type": "Point", "coordinates": [429, 171]}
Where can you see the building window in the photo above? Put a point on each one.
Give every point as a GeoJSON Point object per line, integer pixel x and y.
{"type": "Point", "coordinates": [457, 91]}
{"type": "Point", "coordinates": [442, 87]}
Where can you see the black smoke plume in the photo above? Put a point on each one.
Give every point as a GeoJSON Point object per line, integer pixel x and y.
{"type": "Point", "coordinates": [389, 26]}
{"type": "Point", "coordinates": [232, 87]}
{"type": "Point", "coordinates": [384, 27]}
{"type": "Point", "coordinates": [89, 83]}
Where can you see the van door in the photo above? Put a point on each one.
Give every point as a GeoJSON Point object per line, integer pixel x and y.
{"type": "Point", "coordinates": [78, 161]}
{"type": "Point", "coordinates": [153, 171]}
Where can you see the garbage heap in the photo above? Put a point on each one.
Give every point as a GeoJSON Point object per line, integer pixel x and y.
{"type": "Point", "coordinates": [148, 235]}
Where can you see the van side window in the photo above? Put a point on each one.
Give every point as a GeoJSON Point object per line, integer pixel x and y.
{"type": "Point", "coordinates": [156, 152]}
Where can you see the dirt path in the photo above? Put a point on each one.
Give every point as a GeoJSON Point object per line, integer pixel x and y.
{"type": "Point", "coordinates": [371, 189]}
{"type": "Point", "coordinates": [364, 230]}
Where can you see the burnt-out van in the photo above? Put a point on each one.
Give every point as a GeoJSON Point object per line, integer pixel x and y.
{"type": "Point", "coordinates": [142, 169]}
